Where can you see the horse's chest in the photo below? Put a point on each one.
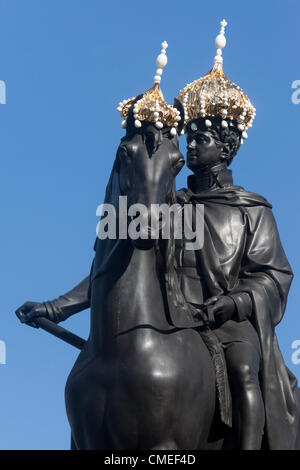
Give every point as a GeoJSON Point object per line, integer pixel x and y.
{"type": "Point", "coordinates": [153, 358]}
{"type": "Point", "coordinates": [129, 297]}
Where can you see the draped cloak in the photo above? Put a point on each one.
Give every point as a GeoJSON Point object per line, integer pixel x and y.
{"type": "Point", "coordinates": [242, 253]}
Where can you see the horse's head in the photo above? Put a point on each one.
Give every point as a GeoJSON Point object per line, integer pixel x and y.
{"type": "Point", "coordinates": [148, 160]}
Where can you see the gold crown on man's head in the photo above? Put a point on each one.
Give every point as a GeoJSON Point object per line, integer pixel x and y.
{"type": "Point", "coordinates": [152, 107]}
{"type": "Point", "coordinates": [215, 96]}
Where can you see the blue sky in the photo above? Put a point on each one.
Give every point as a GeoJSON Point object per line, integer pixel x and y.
{"type": "Point", "coordinates": [66, 65]}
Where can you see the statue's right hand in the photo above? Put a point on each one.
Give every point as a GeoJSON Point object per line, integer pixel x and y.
{"type": "Point", "coordinates": [29, 311]}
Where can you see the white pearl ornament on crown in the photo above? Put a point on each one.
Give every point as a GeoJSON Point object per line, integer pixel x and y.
{"type": "Point", "coordinates": [161, 62]}
{"type": "Point", "coordinates": [220, 42]}
{"type": "Point", "coordinates": [152, 106]}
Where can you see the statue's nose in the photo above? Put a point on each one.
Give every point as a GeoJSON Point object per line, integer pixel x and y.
{"type": "Point", "coordinates": [192, 145]}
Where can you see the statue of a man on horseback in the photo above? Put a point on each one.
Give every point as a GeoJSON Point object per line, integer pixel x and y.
{"type": "Point", "coordinates": [145, 372]}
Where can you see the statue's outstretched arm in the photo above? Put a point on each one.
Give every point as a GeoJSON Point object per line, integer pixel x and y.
{"type": "Point", "coordinates": [73, 301]}
{"type": "Point", "coordinates": [59, 309]}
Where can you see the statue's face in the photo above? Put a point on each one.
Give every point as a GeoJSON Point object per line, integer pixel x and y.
{"type": "Point", "coordinates": [202, 150]}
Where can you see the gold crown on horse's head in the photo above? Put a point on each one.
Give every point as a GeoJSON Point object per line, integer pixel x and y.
{"type": "Point", "coordinates": [215, 96]}
{"type": "Point", "coordinates": [152, 107]}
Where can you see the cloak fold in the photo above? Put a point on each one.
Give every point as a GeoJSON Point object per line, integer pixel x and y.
{"type": "Point", "coordinates": [254, 263]}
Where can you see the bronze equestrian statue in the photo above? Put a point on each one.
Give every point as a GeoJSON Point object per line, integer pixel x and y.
{"type": "Point", "coordinates": [144, 380]}
{"type": "Point", "coordinates": [141, 382]}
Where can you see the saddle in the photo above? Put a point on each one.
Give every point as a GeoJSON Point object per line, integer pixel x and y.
{"type": "Point", "coordinates": [188, 315]}
{"type": "Point", "coordinates": [193, 316]}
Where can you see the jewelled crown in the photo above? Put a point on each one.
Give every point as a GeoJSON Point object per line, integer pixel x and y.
{"type": "Point", "coordinates": [152, 107]}
{"type": "Point", "coordinates": [215, 95]}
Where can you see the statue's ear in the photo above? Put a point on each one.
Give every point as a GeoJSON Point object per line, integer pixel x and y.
{"type": "Point", "coordinates": [178, 105]}
{"type": "Point", "coordinates": [226, 151]}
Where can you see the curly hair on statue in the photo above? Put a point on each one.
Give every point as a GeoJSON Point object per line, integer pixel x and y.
{"type": "Point", "coordinates": [229, 135]}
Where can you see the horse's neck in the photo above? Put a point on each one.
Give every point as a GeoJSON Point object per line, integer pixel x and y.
{"type": "Point", "coordinates": [133, 295]}
{"type": "Point", "coordinates": [140, 291]}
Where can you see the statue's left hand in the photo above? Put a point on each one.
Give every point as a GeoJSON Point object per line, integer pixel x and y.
{"type": "Point", "coordinates": [29, 311]}
{"type": "Point", "coordinates": [223, 308]}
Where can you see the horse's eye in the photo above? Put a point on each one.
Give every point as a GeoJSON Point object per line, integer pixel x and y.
{"type": "Point", "coordinates": [122, 151]}
{"type": "Point", "coordinates": [178, 165]}
{"type": "Point", "coordinates": [124, 154]}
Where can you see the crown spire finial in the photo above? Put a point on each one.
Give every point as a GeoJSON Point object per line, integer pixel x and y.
{"type": "Point", "coordinates": [215, 97]}
{"type": "Point", "coordinates": [161, 62]}
{"type": "Point", "coordinates": [152, 107]}
{"type": "Point", "coordinates": [220, 42]}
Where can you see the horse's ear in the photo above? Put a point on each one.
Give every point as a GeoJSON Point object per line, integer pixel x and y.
{"type": "Point", "coordinates": [130, 119]}
{"type": "Point", "coordinates": [178, 105]}
{"type": "Point", "coordinates": [153, 138]}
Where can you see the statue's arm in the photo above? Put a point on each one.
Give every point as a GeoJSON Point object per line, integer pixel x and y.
{"type": "Point", "coordinates": [243, 305]}
{"type": "Point", "coordinates": [265, 276]}
{"type": "Point", "coordinates": [266, 272]}
{"type": "Point", "coordinates": [73, 301]}
{"type": "Point", "coordinates": [59, 309]}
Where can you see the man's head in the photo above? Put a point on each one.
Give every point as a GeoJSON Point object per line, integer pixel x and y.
{"type": "Point", "coordinates": [208, 146]}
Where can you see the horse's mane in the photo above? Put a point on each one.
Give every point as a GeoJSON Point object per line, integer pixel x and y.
{"type": "Point", "coordinates": [175, 296]}
{"type": "Point", "coordinates": [108, 246]}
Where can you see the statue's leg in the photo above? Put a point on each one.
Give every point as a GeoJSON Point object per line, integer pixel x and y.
{"type": "Point", "coordinates": [248, 406]}
{"type": "Point", "coordinates": [167, 445]}
{"type": "Point", "coordinates": [243, 358]}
